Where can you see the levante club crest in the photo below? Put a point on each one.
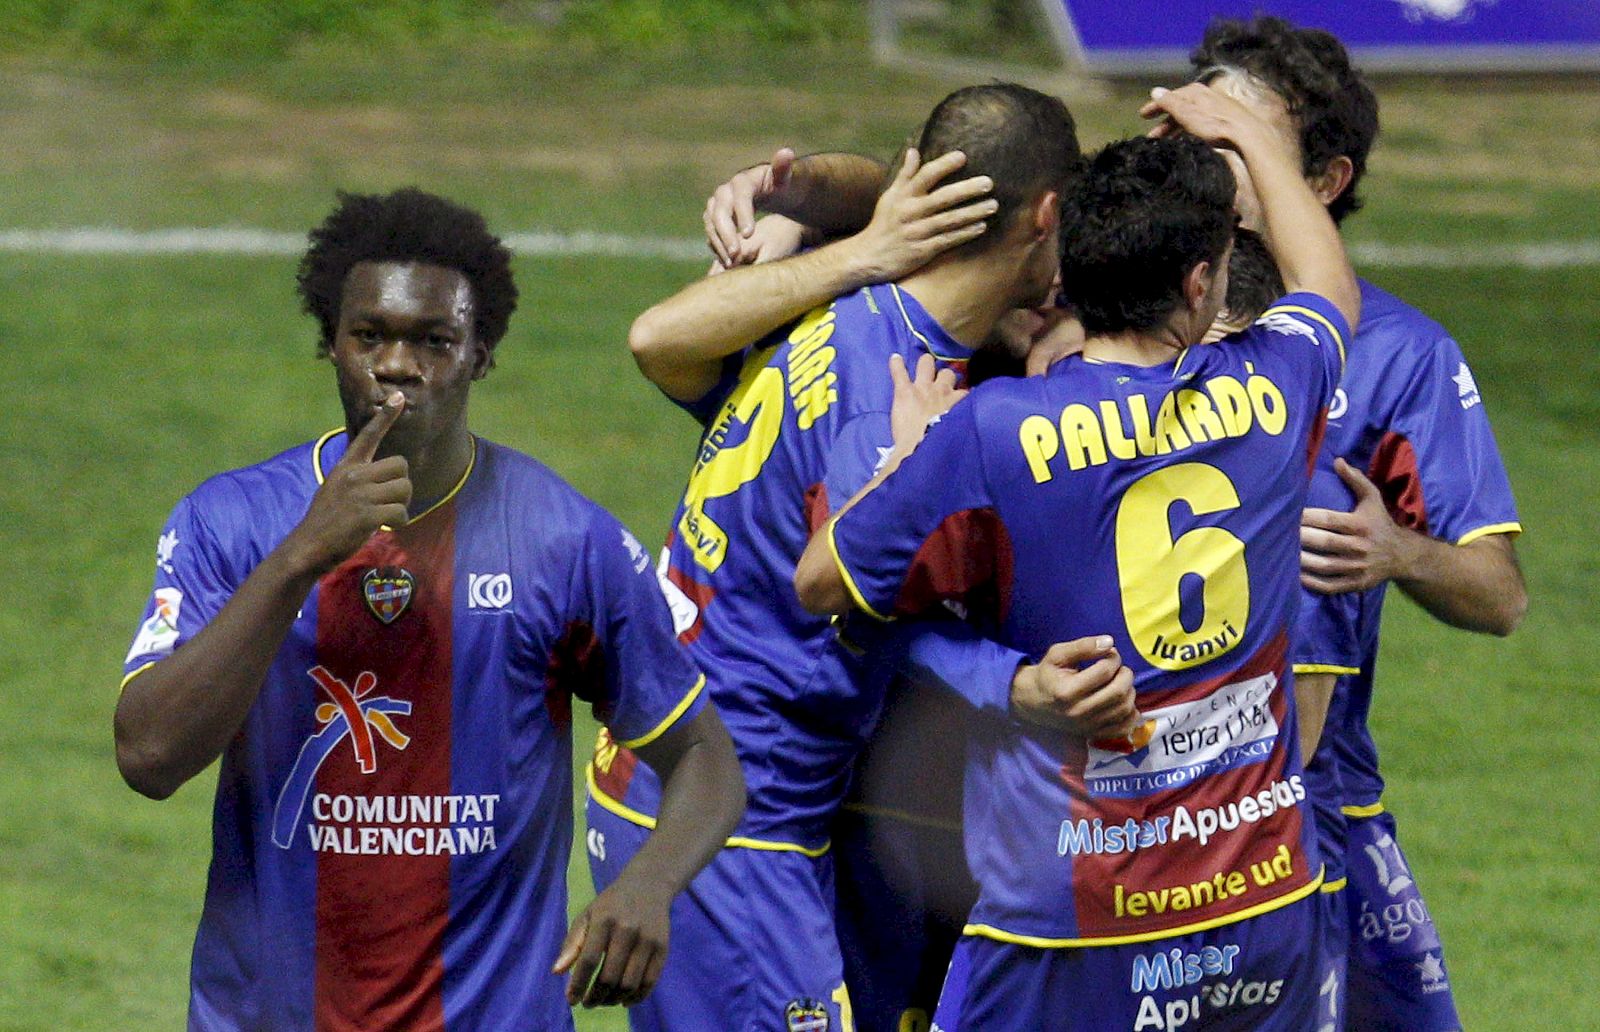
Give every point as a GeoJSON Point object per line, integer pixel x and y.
{"type": "Point", "coordinates": [387, 590]}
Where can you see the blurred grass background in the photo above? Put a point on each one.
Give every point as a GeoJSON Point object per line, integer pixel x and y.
{"type": "Point", "coordinates": [127, 380]}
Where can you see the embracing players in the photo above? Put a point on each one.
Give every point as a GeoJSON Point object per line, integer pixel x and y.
{"type": "Point", "coordinates": [381, 633]}
{"type": "Point", "coordinates": [1150, 491]}
{"type": "Point", "coordinates": [794, 425]}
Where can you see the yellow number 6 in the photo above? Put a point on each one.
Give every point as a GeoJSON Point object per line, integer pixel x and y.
{"type": "Point", "coordinates": [1151, 565]}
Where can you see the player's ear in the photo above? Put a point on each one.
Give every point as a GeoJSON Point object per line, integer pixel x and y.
{"type": "Point", "coordinates": [1197, 284]}
{"type": "Point", "coordinates": [482, 358]}
{"type": "Point", "coordinates": [1046, 214]}
{"type": "Point", "coordinates": [1333, 180]}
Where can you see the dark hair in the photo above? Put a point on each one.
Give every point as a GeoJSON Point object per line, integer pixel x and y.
{"type": "Point", "coordinates": [1331, 104]}
{"type": "Point", "coordinates": [1253, 278]}
{"type": "Point", "coordinates": [1022, 139]}
{"type": "Point", "coordinates": [1140, 217]}
{"type": "Point", "coordinates": [407, 226]}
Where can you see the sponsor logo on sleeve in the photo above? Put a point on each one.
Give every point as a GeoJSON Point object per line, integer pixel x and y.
{"type": "Point", "coordinates": [1467, 387]}
{"type": "Point", "coordinates": [167, 544]}
{"type": "Point", "coordinates": [1229, 728]}
{"type": "Point", "coordinates": [636, 552]}
{"type": "Point", "coordinates": [1288, 325]}
{"type": "Point", "coordinates": [158, 635]}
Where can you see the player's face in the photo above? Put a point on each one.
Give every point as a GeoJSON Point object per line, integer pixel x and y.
{"type": "Point", "coordinates": [407, 327]}
{"type": "Point", "coordinates": [1270, 108]}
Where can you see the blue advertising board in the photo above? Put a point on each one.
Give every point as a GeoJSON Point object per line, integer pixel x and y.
{"type": "Point", "coordinates": [1459, 35]}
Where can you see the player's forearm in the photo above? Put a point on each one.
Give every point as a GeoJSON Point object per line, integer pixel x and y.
{"type": "Point", "coordinates": [1476, 587]}
{"type": "Point", "coordinates": [1313, 694]}
{"type": "Point", "coordinates": [680, 344]}
{"type": "Point", "coordinates": [176, 717]}
{"type": "Point", "coordinates": [1304, 241]}
{"type": "Point", "coordinates": [702, 800]}
{"type": "Point", "coordinates": [834, 192]}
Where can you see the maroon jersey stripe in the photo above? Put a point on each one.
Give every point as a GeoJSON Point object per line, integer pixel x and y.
{"type": "Point", "coordinates": [381, 911]}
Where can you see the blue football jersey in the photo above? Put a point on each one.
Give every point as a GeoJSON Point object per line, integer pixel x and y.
{"type": "Point", "coordinates": [1409, 415]}
{"type": "Point", "coordinates": [1159, 505]}
{"type": "Point", "coordinates": [798, 425]}
{"type": "Point", "coordinates": [393, 821]}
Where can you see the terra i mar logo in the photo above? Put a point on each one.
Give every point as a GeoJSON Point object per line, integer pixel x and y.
{"type": "Point", "coordinates": [1442, 10]}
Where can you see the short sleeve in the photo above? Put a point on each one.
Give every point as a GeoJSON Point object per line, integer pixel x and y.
{"type": "Point", "coordinates": [1327, 631]}
{"type": "Point", "coordinates": [928, 533]}
{"type": "Point", "coordinates": [644, 683]}
{"type": "Point", "coordinates": [1314, 323]}
{"type": "Point", "coordinates": [1442, 456]}
{"type": "Point", "coordinates": [190, 589]}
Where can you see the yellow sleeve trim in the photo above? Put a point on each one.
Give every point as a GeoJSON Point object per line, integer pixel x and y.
{"type": "Point", "coordinates": [1370, 810]}
{"type": "Point", "coordinates": [1335, 886]}
{"type": "Point", "coordinates": [1319, 317]}
{"type": "Point", "coordinates": [1325, 668]}
{"type": "Point", "coordinates": [991, 932]}
{"type": "Point", "coordinates": [904, 817]}
{"type": "Point", "coordinates": [668, 720]}
{"type": "Point", "coordinates": [644, 820]}
{"type": "Point", "coordinates": [1493, 528]}
{"type": "Point", "coordinates": [849, 581]}
{"type": "Point", "coordinates": [136, 673]}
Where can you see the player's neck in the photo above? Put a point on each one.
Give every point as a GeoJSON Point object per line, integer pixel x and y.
{"type": "Point", "coordinates": [966, 297]}
{"type": "Point", "coordinates": [1136, 347]}
{"type": "Point", "coordinates": [437, 467]}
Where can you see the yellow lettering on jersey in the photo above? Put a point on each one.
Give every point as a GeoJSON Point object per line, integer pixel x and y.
{"type": "Point", "coordinates": [1086, 444]}
{"type": "Point", "coordinates": [757, 404]}
{"type": "Point", "coordinates": [1218, 888]}
{"type": "Point", "coordinates": [1198, 417]}
{"type": "Point", "coordinates": [1152, 566]}
{"type": "Point", "coordinates": [1218, 408]}
{"type": "Point", "coordinates": [1040, 443]}
{"type": "Point", "coordinates": [1116, 438]}
{"type": "Point", "coordinates": [813, 386]}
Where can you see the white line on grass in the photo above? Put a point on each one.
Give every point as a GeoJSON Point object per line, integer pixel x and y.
{"type": "Point", "coordinates": [539, 243]}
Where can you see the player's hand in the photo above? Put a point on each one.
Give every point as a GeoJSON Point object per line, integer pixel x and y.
{"type": "Point", "coordinates": [1080, 687]}
{"type": "Point", "coordinates": [919, 400]}
{"type": "Point", "coordinates": [616, 948]}
{"type": "Point", "coordinates": [1353, 551]}
{"type": "Point", "coordinates": [730, 215]}
{"type": "Point", "coordinates": [916, 219]}
{"type": "Point", "coordinates": [1209, 114]}
{"type": "Point", "coordinates": [775, 236]}
{"type": "Point", "coordinates": [359, 495]}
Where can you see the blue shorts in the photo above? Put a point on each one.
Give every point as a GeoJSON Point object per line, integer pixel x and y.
{"type": "Point", "coordinates": [1397, 976]}
{"type": "Point", "coordinates": [1257, 975]}
{"type": "Point", "coordinates": [752, 945]}
{"type": "Point", "coordinates": [904, 894]}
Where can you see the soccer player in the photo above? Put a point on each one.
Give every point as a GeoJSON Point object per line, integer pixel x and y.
{"type": "Point", "coordinates": [1434, 514]}
{"type": "Point", "coordinates": [794, 425]}
{"type": "Point", "coordinates": [1150, 491]}
{"type": "Point", "coordinates": [381, 633]}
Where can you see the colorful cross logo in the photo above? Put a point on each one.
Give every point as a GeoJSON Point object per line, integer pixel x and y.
{"type": "Point", "coordinates": [354, 714]}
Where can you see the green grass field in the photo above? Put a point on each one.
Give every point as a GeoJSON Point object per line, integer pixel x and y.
{"type": "Point", "coordinates": [128, 380]}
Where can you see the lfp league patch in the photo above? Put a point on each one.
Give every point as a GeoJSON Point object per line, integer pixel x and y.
{"type": "Point", "coordinates": [806, 1016]}
{"type": "Point", "coordinates": [388, 591]}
